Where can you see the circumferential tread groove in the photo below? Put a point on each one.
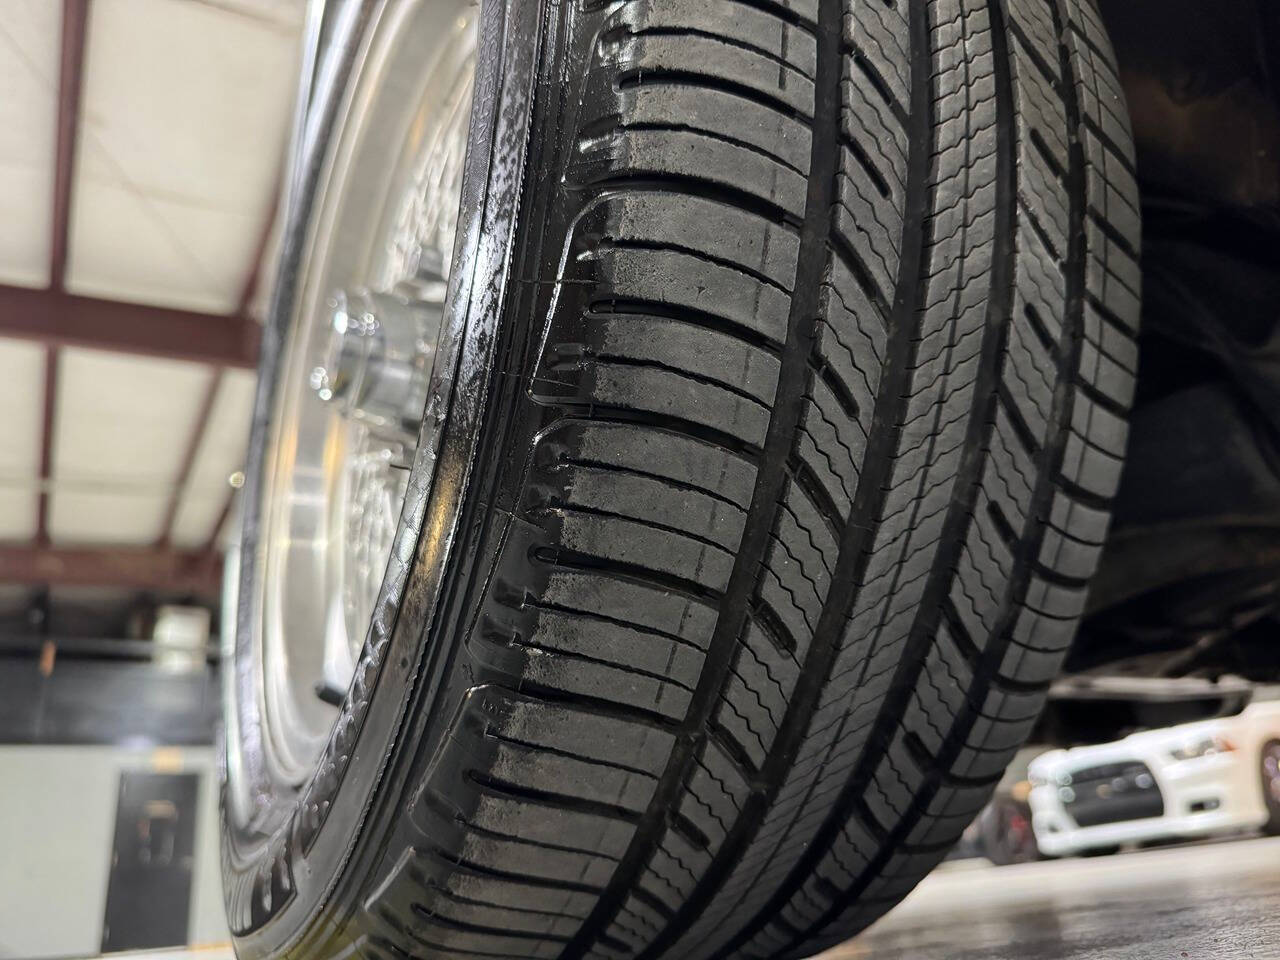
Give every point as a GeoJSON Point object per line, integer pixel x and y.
{"type": "Point", "coordinates": [787, 507]}
{"type": "Point", "coordinates": [870, 496]}
{"type": "Point", "coordinates": [785, 418]}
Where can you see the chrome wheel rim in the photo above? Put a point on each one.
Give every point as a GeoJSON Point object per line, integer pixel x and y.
{"type": "Point", "coordinates": [357, 370]}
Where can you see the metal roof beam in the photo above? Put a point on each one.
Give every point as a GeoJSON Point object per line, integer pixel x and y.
{"type": "Point", "coordinates": [67, 320]}
{"type": "Point", "coordinates": [198, 430]}
{"type": "Point", "coordinates": [196, 572]}
{"type": "Point", "coordinates": [75, 25]}
{"type": "Point", "coordinates": [47, 413]}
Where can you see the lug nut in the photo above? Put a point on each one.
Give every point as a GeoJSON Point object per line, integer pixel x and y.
{"type": "Point", "coordinates": [377, 358]}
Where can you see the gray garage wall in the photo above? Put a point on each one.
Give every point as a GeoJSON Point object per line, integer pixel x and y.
{"type": "Point", "coordinates": [57, 817]}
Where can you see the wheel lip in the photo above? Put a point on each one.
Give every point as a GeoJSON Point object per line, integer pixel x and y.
{"type": "Point", "coordinates": [408, 92]}
{"type": "Point", "coordinates": [273, 881]}
{"type": "Point", "coordinates": [331, 62]}
{"type": "Point", "coordinates": [254, 780]}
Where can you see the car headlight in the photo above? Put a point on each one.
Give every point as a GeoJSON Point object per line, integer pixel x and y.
{"type": "Point", "coordinates": [1204, 747]}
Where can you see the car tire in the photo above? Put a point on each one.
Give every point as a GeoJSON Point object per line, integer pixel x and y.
{"type": "Point", "coordinates": [1005, 832]}
{"type": "Point", "coordinates": [1269, 769]}
{"type": "Point", "coordinates": [1110, 850]}
{"type": "Point", "coordinates": [790, 406]}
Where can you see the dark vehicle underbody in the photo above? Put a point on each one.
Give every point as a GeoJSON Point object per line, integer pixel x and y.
{"type": "Point", "coordinates": [1189, 585]}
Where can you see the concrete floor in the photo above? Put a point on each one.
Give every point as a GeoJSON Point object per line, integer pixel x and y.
{"type": "Point", "coordinates": [1214, 901]}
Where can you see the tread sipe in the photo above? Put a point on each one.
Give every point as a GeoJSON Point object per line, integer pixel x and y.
{"type": "Point", "coordinates": [827, 353]}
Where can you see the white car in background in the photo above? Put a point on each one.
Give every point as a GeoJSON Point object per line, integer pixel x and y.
{"type": "Point", "coordinates": [1194, 780]}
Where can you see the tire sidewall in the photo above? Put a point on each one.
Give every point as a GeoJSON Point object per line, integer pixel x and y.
{"type": "Point", "coordinates": [284, 885]}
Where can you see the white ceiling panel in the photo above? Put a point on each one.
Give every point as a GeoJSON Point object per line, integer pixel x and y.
{"type": "Point", "coordinates": [121, 429]}
{"type": "Point", "coordinates": [22, 400]}
{"type": "Point", "coordinates": [18, 513]}
{"type": "Point", "coordinates": [29, 46]}
{"type": "Point", "coordinates": [186, 110]}
{"type": "Point", "coordinates": [229, 529]}
{"type": "Point", "coordinates": [77, 517]}
{"type": "Point", "coordinates": [221, 453]}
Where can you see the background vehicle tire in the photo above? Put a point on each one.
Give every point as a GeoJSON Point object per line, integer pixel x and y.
{"type": "Point", "coordinates": [1005, 832]}
{"type": "Point", "coordinates": [798, 344]}
{"type": "Point", "coordinates": [1108, 851]}
{"type": "Point", "coordinates": [1270, 775]}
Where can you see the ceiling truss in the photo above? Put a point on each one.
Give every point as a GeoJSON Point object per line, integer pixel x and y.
{"type": "Point", "coordinates": [57, 319]}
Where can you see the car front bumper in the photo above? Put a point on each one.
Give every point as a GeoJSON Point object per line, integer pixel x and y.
{"type": "Point", "coordinates": [1201, 798]}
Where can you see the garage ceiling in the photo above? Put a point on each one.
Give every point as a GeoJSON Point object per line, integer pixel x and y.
{"type": "Point", "coordinates": [141, 146]}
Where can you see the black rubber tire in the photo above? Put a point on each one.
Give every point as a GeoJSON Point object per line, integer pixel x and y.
{"type": "Point", "coordinates": [1266, 772]}
{"type": "Point", "coordinates": [1110, 850]}
{"type": "Point", "coordinates": [1005, 834]}
{"type": "Point", "coordinates": [803, 413]}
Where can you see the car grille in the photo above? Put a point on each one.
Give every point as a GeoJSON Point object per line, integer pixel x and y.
{"type": "Point", "coordinates": [1111, 793]}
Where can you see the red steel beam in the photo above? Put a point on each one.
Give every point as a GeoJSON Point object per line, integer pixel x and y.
{"type": "Point", "coordinates": [211, 544]}
{"type": "Point", "coordinates": [75, 21]}
{"type": "Point", "coordinates": [247, 293]}
{"type": "Point", "coordinates": [198, 430]}
{"type": "Point", "coordinates": [251, 282]}
{"type": "Point", "coordinates": [197, 572]}
{"type": "Point", "coordinates": [46, 442]}
{"type": "Point", "coordinates": [56, 319]}
{"type": "Point", "coordinates": [64, 319]}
